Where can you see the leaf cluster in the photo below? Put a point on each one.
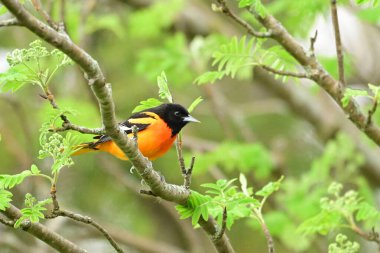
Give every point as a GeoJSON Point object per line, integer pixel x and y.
{"type": "Point", "coordinates": [236, 55]}
{"type": "Point", "coordinates": [33, 211]}
{"type": "Point", "coordinates": [343, 245]}
{"type": "Point", "coordinates": [32, 66]}
{"type": "Point", "coordinates": [224, 194]}
{"type": "Point", "coordinates": [338, 210]}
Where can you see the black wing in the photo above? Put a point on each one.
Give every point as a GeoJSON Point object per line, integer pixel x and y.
{"type": "Point", "coordinates": [126, 126]}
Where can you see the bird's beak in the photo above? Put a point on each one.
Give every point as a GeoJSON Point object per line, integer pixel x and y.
{"type": "Point", "coordinates": [190, 119]}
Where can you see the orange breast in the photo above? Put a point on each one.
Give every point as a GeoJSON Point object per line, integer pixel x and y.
{"type": "Point", "coordinates": [153, 142]}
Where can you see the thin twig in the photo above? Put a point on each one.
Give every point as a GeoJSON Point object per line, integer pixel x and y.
{"type": "Point", "coordinates": [371, 112]}
{"type": "Point", "coordinates": [188, 174]}
{"type": "Point", "coordinates": [89, 220]}
{"type": "Point", "coordinates": [10, 22]}
{"type": "Point", "coordinates": [37, 5]}
{"type": "Point", "coordinates": [283, 72]}
{"type": "Point", "coordinates": [80, 129]}
{"type": "Point", "coordinates": [222, 230]}
{"type": "Point", "coordinates": [338, 42]}
{"type": "Point", "coordinates": [41, 232]}
{"type": "Point", "coordinates": [50, 97]}
{"type": "Point", "coordinates": [313, 39]}
{"type": "Point", "coordinates": [250, 30]}
{"type": "Point", "coordinates": [181, 160]}
{"type": "Point", "coordinates": [269, 237]}
{"type": "Point", "coordinates": [62, 12]}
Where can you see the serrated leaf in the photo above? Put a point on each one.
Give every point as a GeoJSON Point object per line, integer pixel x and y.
{"type": "Point", "coordinates": [163, 88]}
{"type": "Point", "coordinates": [269, 188]}
{"type": "Point", "coordinates": [196, 215]}
{"type": "Point", "coordinates": [5, 199]}
{"type": "Point", "coordinates": [34, 169]}
{"type": "Point", "coordinates": [209, 77]}
{"type": "Point", "coordinates": [367, 212]}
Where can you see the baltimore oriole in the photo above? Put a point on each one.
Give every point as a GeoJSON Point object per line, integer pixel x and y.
{"type": "Point", "coordinates": [157, 129]}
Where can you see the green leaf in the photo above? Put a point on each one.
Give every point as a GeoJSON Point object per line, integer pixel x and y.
{"type": "Point", "coordinates": [350, 93]}
{"type": "Point", "coordinates": [10, 181]}
{"type": "Point", "coordinates": [209, 77]}
{"type": "Point", "coordinates": [163, 89]}
{"type": "Point", "coordinates": [343, 245]}
{"type": "Point", "coordinates": [146, 104]}
{"type": "Point", "coordinates": [270, 188]}
{"type": "Point", "coordinates": [34, 169]}
{"type": "Point", "coordinates": [367, 212]}
{"type": "Point", "coordinates": [33, 211]}
{"type": "Point", "coordinates": [245, 3]}
{"type": "Point", "coordinates": [3, 10]}
{"type": "Point", "coordinates": [194, 104]}
{"type": "Point", "coordinates": [5, 199]}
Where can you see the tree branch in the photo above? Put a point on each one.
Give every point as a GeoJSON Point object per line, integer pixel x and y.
{"type": "Point", "coordinates": [80, 129]}
{"type": "Point", "coordinates": [284, 73]}
{"type": "Point", "coordinates": [10, 22]}
{"type": "Point", "coordinates": [319, 75]}
{"type": "Point", "coordinates": [236, 18]}
{"type": "Point", "coordinates": [89, 220]}
{"type": "Point", "coordinates": [338, 42]}
{"type": "Point", "coordinates": [103, 93]}
{"type": "Point", "coordinates": [51, 238]}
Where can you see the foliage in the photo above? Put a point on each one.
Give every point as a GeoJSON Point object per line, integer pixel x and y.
{"type": "Point", "coordinates": [33, 210]}
{"type": "Point", "coordinates": [5, 199]}
{"type": "Point", "coordinates": [339, 161]}
{"type": "Point", "coordinates": [292, 13]}
{"type": "Point", "coordinates": [340, 211]}
{"type": "Point", "coordinates": [255, 5]}
{"type": "Point", "coordinates": [343, 245]}
{"type": "Point", "coordinates": [165, 94]}
{"type": "Point", "coordinates": [374, 3]}
{"type": "Point", "coordinates": [224, 195]}
{"type": "Point", "coordinates": [32, 66]}
{"type": "Point", "coordinates": [56, 146]}
{"type": "Point", "coordinates": [236, 55]}
{"type": "Point", "coordinates": [351, 93]}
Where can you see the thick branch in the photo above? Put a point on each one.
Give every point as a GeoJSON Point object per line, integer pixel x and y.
{"type": "Point", "coordinates": [51, 238]}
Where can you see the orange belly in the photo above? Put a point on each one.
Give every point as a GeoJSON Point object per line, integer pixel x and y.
{"type": "Point", "coordinates": [153, 142]}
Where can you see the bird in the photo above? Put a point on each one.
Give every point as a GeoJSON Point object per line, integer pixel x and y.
{"type": "Point", "coordinates": [157, 129]}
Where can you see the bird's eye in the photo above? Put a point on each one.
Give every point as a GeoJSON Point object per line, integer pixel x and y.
{"type": "Point", "coordinates": [177, 113]}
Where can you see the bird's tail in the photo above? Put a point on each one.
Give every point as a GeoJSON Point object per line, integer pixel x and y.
{"type": "Point", "coordinates": [84, 148]}
{"type": "Point", "coordinates": [107, 146]}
